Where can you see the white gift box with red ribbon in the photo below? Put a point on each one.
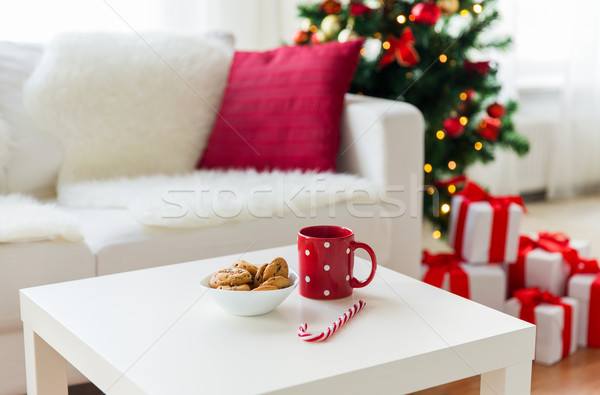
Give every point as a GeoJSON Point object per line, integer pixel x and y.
{"type": "Point", "coordinates": [485, 229]}
{"type": "Point", "coordinates": [543, 269]}
{"type": "Point", "coordinates": [485, 284]}
{"type": "Point", "coordinates": [550, 322]}
{"type": "Point", "coordinates": [580, 288]}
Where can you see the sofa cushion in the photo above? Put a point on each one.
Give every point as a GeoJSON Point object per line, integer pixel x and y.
{"type": "Point", "coordinates": [282, 108]}
{"type": "Point", "coordinates": [24, 265]}
{"type": "Point", "coordinates": [124, 106]}
{"type": "Point", "coordinates": [34, 156]}
{"type": "Point", "coordinates": [122, 244]}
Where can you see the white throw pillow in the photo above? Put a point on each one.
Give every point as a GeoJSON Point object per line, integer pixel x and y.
{"type": "Point", "coordinates": [125, 105]}
{"type": "Point", "coordinates": [30, 163]}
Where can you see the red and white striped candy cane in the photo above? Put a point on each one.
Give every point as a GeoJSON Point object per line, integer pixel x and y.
{"type": "Point", "coordinates": [333, 327]}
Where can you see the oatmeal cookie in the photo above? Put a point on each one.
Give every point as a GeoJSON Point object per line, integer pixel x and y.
{"type": "Point", "coordinates": [259, 278]}
{"type": "Point", "coordinates": [245, 265]}
{"type": "Point", "coordinates": [243, 287]}
{"type": "Point", "coordinates": [277, 267]}
{"type": "Point", "coordinates": [266, 288]}
{"type": "Point", "coordinates": [277, 281]}
{"type": "Point", "coordinates": [231, 277]}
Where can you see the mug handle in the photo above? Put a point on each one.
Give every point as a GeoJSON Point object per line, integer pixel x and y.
{"type": "Point", "coordinates": [354, 283]}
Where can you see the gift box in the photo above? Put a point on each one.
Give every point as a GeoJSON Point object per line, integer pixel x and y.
{"type": "Point", "coordinates": [546, 261]}
{"type": "Point", "coordinates": [555, 319]}
{"type": "Point", "coordinates": [482, 284]}
{"type": "Point", "coordinates": [586, 289]}
{"type": "Point", "coordinates": [483, 228]}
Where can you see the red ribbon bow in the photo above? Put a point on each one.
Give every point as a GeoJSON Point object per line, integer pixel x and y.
{"type": "Point", "coordinates": [402, 49]}
{"type": "Point", "coordinates": [454, 180]}
{"type": "Point", "coordinates": [474, 193]}
{"type": "Point", "coordinates": [439, 265]}
{"type": "Point", "coordinates": [551, 242]}
{"type": "Point", "coordinates": [530, 298]}
{"type": "Point", "coordinates": [559, 242]}
{"type": "Point", "coordinates": [357, 9]}
{"type": "Point", "coordinates": [593, 337]}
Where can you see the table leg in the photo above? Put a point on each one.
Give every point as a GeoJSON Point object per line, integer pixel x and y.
{"type": "Point", "coordinates": [513, 380]}
{"type": "Point", "coordinates": [46, 369]}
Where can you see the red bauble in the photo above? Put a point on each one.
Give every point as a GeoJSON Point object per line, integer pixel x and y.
{"type": "Point", "coordinates": [453, 127]}
{"type": "Point", "coordinates": [496, 110]}
{"type": "Point", "coordinates": [427, 13]}
{"type": "Point", "coordinates": [470, 94]}
{"type": "Point", "coordinates": [317, 37]}
{"type": "Point", "coordinates": [477, 67]}
{"type": "Point", "coordinates": [300, 37]}
{"type": "Point", "coordinates": [489, 128]}
{"type": "Point", "coordinates": [358, 9]}
{"type": "Point", "coordinates": [331, 7]}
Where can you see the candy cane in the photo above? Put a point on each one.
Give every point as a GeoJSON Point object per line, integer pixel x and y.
{"type": "Point", "coordinates": [333, 327]}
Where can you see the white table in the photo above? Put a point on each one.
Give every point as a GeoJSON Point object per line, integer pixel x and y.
{"type": "Point", "coordinates": [152, 331]}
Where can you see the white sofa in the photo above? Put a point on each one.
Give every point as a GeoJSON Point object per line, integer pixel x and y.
{"type": "Point", "coordinates": [382, 141]}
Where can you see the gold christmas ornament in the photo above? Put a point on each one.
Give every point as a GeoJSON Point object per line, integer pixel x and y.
{"type": "Point", "coordinates": [331, 26]}
{"type": "Point", "coordinates": [448, 6]}
{"type": "Point", "coordinates": [347, 34]}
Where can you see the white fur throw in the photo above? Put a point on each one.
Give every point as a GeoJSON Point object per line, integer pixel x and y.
{"type": "Point", "coordinates": [23, 218]}
{"type": "Point", "coordinates": [206, 198]}
{"type": "Point", "coordinates": [127, 106]}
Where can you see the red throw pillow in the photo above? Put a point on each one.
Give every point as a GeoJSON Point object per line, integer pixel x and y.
{"type": "Point", "coordinates": [282, 108]}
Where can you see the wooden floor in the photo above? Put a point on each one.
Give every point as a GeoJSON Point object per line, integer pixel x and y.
{"type": "Point", "coordinates": [578, 374]}
{"type": "Point", "coordinates": [575, 375]}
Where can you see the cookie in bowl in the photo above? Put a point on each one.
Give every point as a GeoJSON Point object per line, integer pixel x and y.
{"type": "Point", "coordinates": [237, 291]}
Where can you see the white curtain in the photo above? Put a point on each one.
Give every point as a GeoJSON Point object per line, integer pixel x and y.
{"type": "Point", "coordinates": [575, 165]}
{"type": "Point", "coordinates": [554, 69]}
{"type": "Point", "coordinates": [501, 176]}
{"type": "Point", "coordinates": [256, 24]}
{"type": "Point", "coordinates": [40, 20]}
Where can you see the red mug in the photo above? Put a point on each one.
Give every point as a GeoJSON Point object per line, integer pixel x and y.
{"type": "Point", "coordinates": [326, 262]}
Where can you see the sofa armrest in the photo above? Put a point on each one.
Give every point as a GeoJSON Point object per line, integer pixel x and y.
{"type": "Point", "coordinates": [382, 141]}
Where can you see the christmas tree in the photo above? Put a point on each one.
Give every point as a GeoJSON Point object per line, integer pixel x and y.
{"type": "Point", "coordinates": [433, 55]}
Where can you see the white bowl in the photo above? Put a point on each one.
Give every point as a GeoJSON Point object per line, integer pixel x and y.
{"type": "Point", "coordinates": [249, 303]}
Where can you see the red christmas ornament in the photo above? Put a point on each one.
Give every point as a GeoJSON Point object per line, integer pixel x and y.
{"type": "Point", "coordinates": [358, 9]}
{"type": "Point", "coordinates": [496, 110]}
{"type": "Point", "coordinates": [317, 37]}
{"type": "Point", "coordinates": [427, 13]}
{"type": "Point", "coordinates": [300, 37]}
{"type": "Point", "coordinates": [331, 7]}
{"type": "Point", "coordinates": [470, 94]}
{"type": "Point", "coordinates": [465, 103]}
{"type": "Point", "coordinates": [477, 67]}
{"type": "Point", "coordinates": [453, 127]}
{"type": "Point", "coordinates": [402, 49]}
{"type": "Point", "coordinates": [489, 128]}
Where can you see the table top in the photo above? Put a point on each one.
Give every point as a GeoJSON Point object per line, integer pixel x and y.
{"type": "Point", "coordinates": [154, 331]}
